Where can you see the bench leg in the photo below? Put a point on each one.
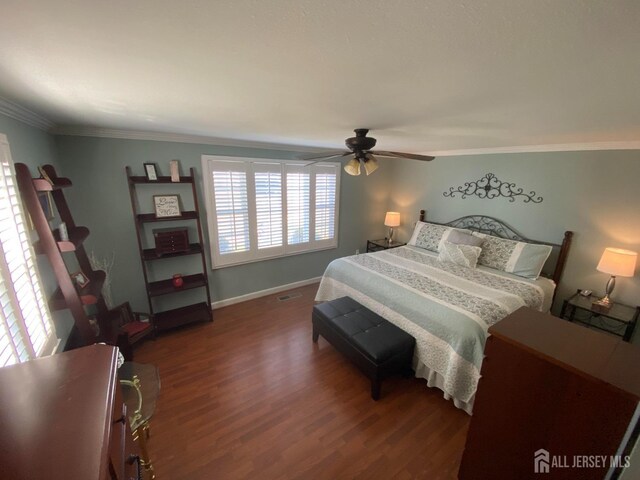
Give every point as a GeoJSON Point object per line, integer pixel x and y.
{"type": "Point", "coordinates": [375, 388]}
{"type": "Point", "coordinates": [408, 372]}
{"type": "Point", "coordinates": [315, 335]}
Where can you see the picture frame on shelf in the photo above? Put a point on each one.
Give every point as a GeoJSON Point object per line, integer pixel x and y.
{"type": "Point", "coordinates": [151, 171]}
{"type": "Point", "coordinates": [46, 202]}
{"type": "Point", "coordinates": [80, 279]}
{"type": "Point", "coordinates": [174, 168]}
{"type": "Point", "coordinates": [44, 175]}
{"type": "Point", "coordinates": [167, 206]}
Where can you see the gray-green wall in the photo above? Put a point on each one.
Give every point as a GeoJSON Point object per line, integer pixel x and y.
{"type": "Point", "coordinates": [594, 193]}
{"type": "Point", "coordinates": [100, 200]}
{"type": "Point", "coordinates": [32, 146]}
{"type": "Point", "coordinates": [28, 144]}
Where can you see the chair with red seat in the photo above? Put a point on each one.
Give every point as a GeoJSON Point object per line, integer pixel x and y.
{"type": "Point", "coordinates": [133, 327]}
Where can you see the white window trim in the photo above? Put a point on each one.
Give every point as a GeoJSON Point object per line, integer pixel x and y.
{"type": "Point", "coordinates": [232, 259]}
{"type": "Point", "coordinates": [25, 337]}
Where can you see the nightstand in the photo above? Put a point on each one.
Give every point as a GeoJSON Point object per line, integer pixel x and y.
{"type": "Point", "coordinates": [382, 244]}
{"type": "Point", "coordinates": [620, 320]}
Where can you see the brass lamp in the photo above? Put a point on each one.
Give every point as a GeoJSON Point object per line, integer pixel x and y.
{"type": "Point", "coordinates": [392, 219]}
{"type": "Point", "coordinates": [617, 263]}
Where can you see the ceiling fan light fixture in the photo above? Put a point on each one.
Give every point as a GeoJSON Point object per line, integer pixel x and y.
{"type": "Point", "coordinates": [360, 147]}
{"type": "Point", "coordinates": [353, 167]}
{"type": "Point", "coordinates": [370, 164]}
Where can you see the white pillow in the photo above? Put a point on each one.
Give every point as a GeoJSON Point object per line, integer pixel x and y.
{"type": "Point", "coordinates": [465, 255]}
{"type": "Point", "coordinates": [520, 258]}
{"type": "Point", "coordinates": [431, 236]}
{"type": "Point", "coordinates": [461, 237]}
{"type": "Point", "coordinates": [428, 235]}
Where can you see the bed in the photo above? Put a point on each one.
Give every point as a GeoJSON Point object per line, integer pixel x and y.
{"type": "Point", "coordinates": [447, 307]}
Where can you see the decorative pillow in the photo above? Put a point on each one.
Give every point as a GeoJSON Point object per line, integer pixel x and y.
{"type": "Point", "coordinates": [465, 255]}
{"type": "Point", "coordinates": [519, 258]}
{"type": "Point", "coordinates": [460, 237]}
{"type": "Point", "coordinates": [428, 235]}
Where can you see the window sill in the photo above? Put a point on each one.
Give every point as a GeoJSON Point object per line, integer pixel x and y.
{"type": "Point", "coordinates": [272, 257]}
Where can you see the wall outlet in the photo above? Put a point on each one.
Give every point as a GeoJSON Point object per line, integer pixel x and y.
{"type": "Point", "coordinates": [357, 251]}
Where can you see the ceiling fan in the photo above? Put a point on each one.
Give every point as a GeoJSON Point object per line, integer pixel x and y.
{"type": "Point", "coordinates": [360, 147]}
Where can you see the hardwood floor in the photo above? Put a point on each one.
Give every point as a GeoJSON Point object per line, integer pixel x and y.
{"type": "Point", "coordinates": [250, 396]}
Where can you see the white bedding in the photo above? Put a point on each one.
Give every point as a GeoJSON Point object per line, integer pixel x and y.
{"type": "Point", "coordinates": [446, 307]}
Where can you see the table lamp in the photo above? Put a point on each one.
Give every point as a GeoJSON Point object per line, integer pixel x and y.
{"type": "Point", "coordinates": [392, 219]}
{"type": "Point", "coordinates": [617, 263]}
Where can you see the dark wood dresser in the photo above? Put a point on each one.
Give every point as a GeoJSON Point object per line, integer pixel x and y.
{"type": "Point", "coordinates": [62, 417]}
{"type": "Point", "coordinates": [550, 385]}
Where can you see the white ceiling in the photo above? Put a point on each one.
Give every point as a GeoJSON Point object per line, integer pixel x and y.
{"type": "Point", "coordinates": [426, 76]}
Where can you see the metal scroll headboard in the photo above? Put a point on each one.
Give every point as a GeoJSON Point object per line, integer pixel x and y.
{"type": "Point", "coordinates": [492, 226]}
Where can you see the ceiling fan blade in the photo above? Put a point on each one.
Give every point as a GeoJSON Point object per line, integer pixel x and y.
{"type": "Point", "coordinates": [323, 159]}
{"type": "Point", "coordinates": [411, 156]}
{"type": "Point", "coordinates": [319, 156]}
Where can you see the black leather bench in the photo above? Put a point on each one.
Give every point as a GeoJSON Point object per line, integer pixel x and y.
{"type": "Point", "coordinates": [373, 344]}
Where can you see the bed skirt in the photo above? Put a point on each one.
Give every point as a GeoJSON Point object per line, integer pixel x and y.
{"type": "Point", "coordinates": [434, 379]}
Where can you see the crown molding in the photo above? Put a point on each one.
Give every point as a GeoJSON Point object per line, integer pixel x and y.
{"type": "Point", "coordinates": [554, 147]}
{"type": "Point", "coordinates": [228, 142]}
{"type": "Point", "coordinates": [181, 138]}
{"type": "Point", "coordinates": [24, 115]}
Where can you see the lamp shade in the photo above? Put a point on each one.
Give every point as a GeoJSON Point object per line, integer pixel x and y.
{"type": "Point", "coordinates": [370, 164]}
{"type": "Point", "coordinates": [353, 167]}
{"type": "Point", "coordinates": [618, 262]}
{"type": "Point", "coordinates": [392, 219]}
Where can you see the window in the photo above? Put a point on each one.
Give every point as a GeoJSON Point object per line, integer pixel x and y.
{"type": "Point", "coordinates": [26, 330]}
{"type": "Point", "coordinates": [232, 210]}
{"type": "Point", "coordinates": [298, 216]}
{"type": "Point", "coordinates": [325, 205]}
{"type": "Point", "coordinates": [261, 209]}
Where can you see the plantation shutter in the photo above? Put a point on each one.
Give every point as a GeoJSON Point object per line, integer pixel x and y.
{"type": "Point", "coordinates": [268, 203]}
{"type": "Point", "coordinates": [298, 202]}
{"type": "Point", "coordinates": [231, 208]}
{"type": "Point", "coordinates": [26, 329]}
{"type": "Point", "coordinates": [325, 202]}
{"type": "Point", "coordinates": [259, 209]}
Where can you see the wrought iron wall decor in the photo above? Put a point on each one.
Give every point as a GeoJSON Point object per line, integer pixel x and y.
{"type": "Point", "coordinates": [490, 187]}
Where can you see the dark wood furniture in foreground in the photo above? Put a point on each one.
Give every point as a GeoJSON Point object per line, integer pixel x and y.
{"type": "Point", "coordinates": [197, 312]}
{"type": "Point", "coordinates": [382, 244]}
{"type": "Point", "coordinates": [374, 345]}
{"type": "Point", "coordinates": [68, 295]}
{"type": "Point", "coordinates": [620, 320]}
{"type": "Point", "coordinates": [63, 418]}
{"type": "Point", "coordinates": [554, 266]}
{"type": "Point", "coordinates": [548, 384]}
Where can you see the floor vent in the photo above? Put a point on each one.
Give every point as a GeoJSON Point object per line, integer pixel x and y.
{"type": "Point", "coordinates": [289, 296]}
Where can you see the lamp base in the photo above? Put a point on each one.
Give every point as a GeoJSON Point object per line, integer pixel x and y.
{"type": "Point", "coordinates": [602, 305]}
